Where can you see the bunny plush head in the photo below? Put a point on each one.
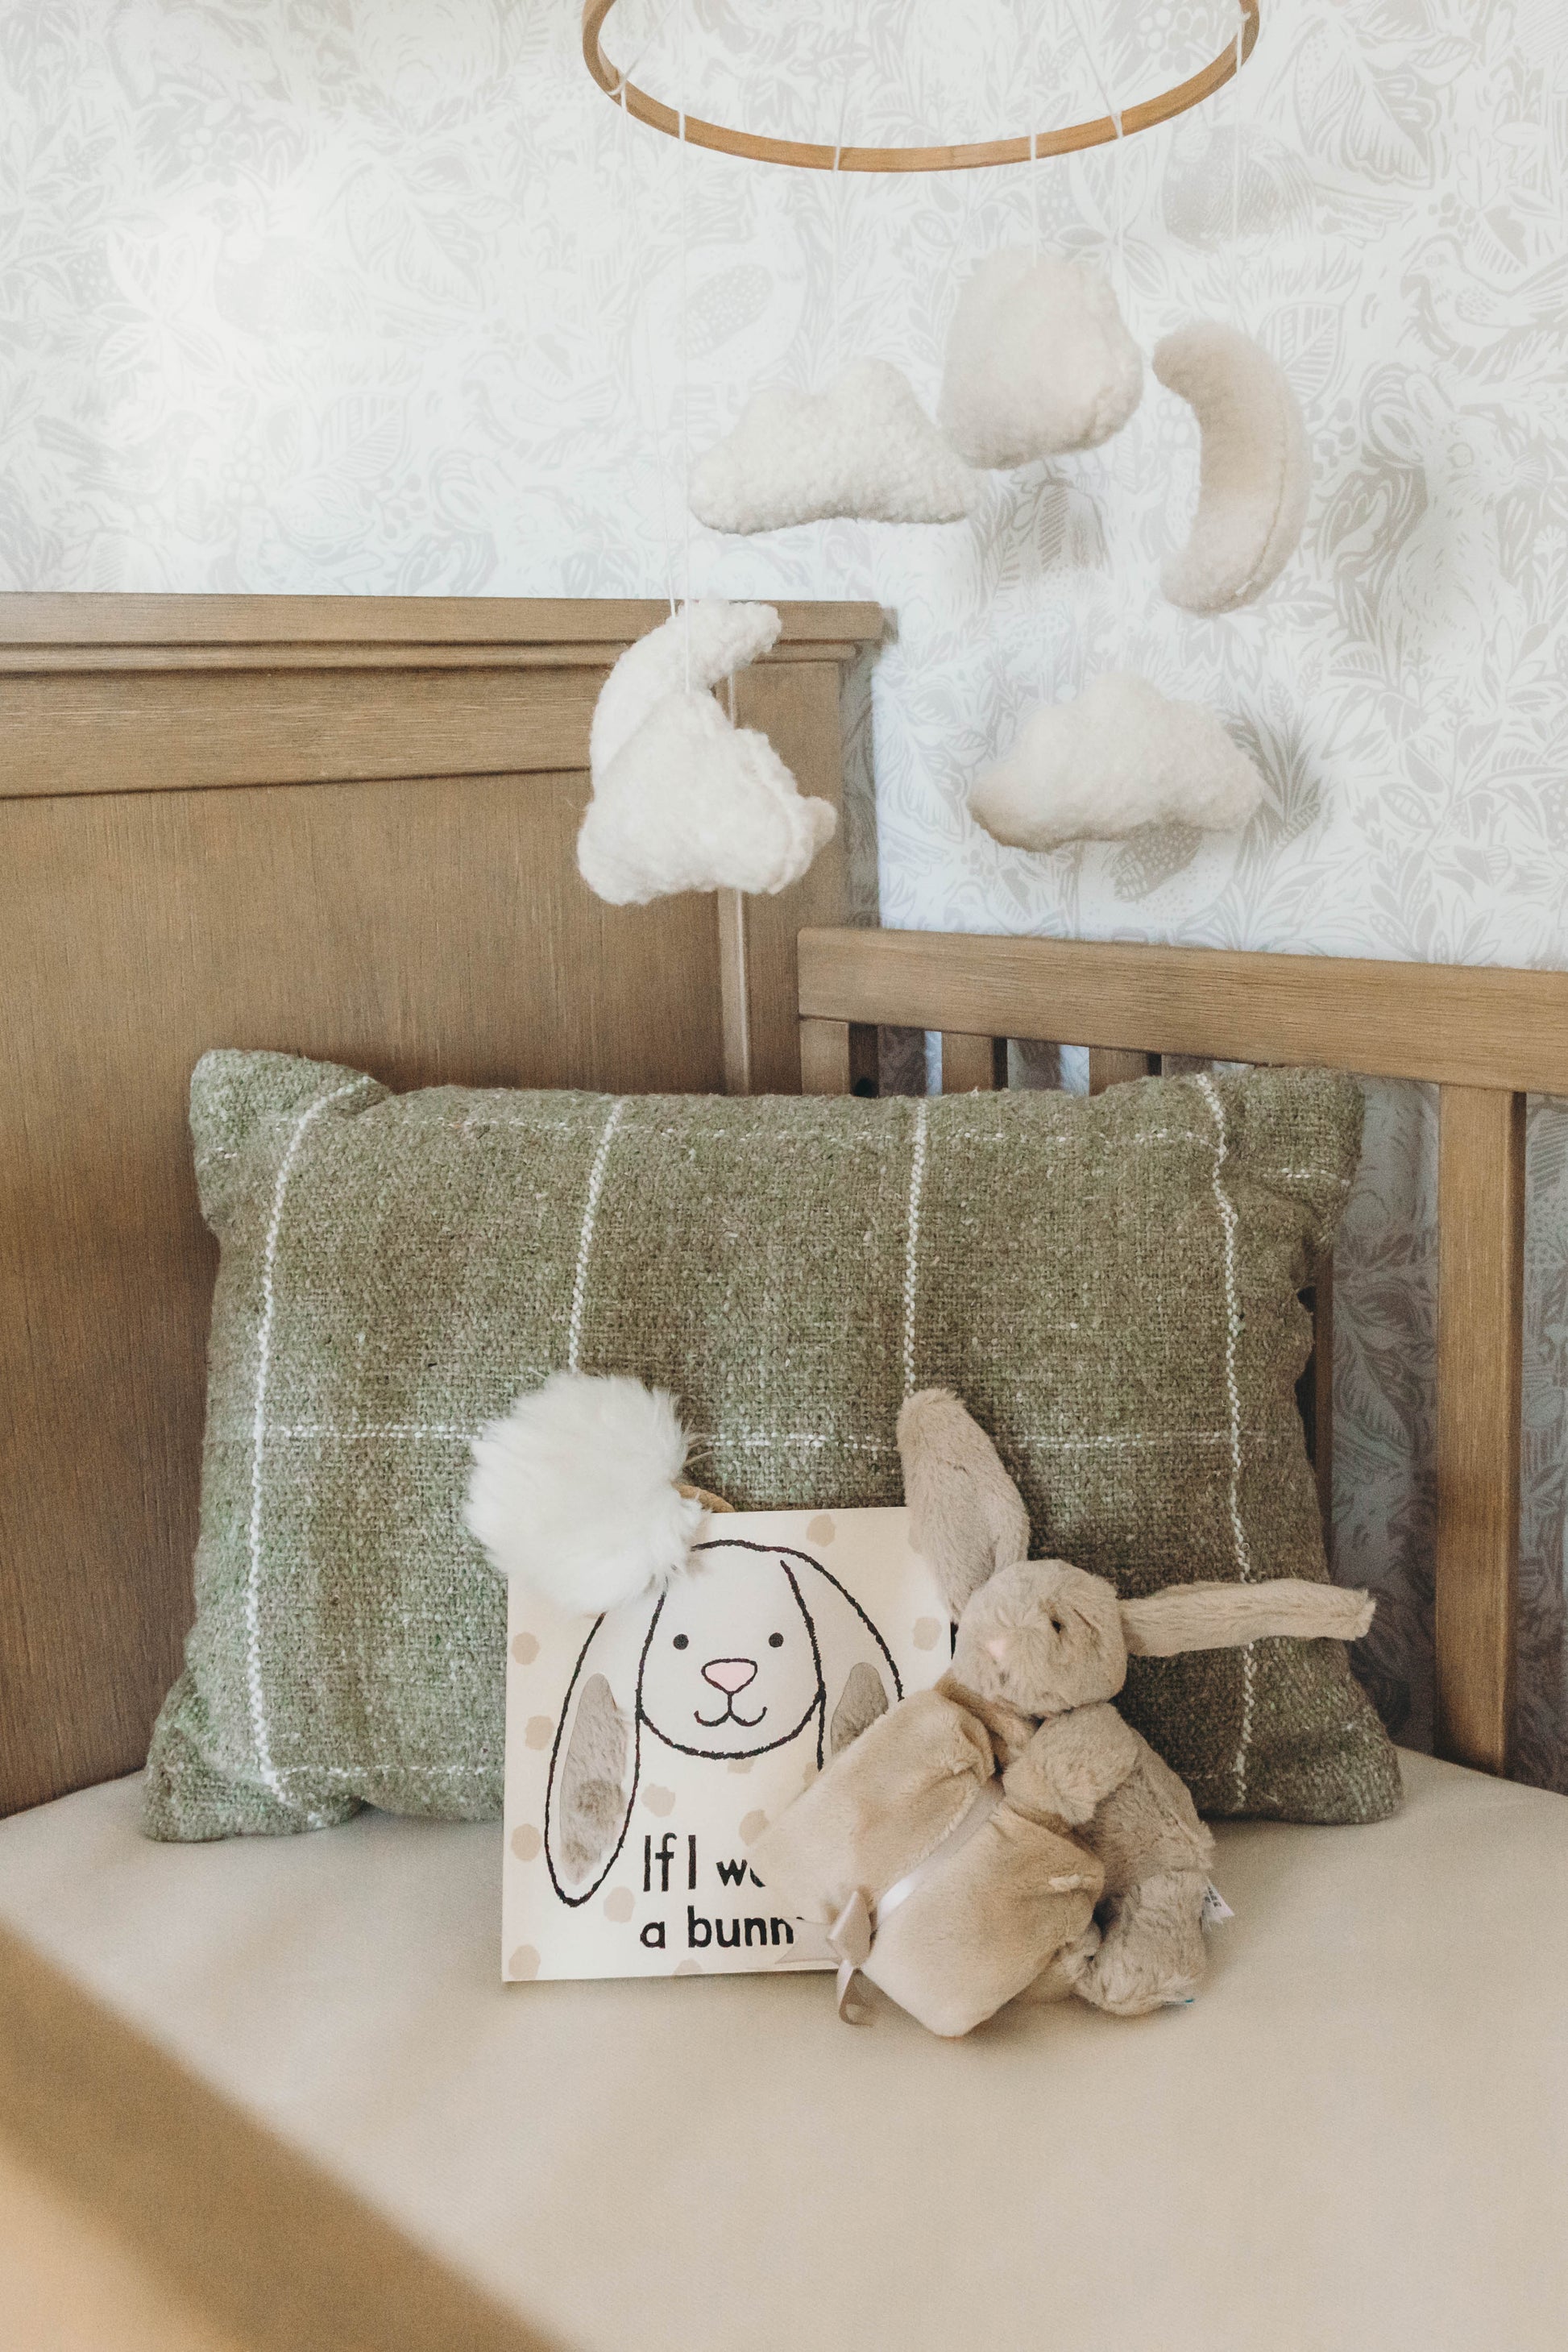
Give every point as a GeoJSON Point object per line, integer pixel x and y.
{"type": "Point", "coordinates": [1046, 1638]}
{"type": "Point", "coordinates": [1043, 1637]}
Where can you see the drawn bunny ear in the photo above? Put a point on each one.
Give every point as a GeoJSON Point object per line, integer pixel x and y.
{"type": "Point", "coordinates": [597, 1755]}
{"type": "Point", "coordinates": [859, 1680]}
{"type": "Point", "coordinates": [1228, 1616]}
{"type": "Point", "coordinates": [967, 1516]}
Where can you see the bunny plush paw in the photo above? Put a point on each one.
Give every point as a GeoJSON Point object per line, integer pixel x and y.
{"type": "Point", "coordinates": [1073, 1763]}
{"type": "Point", "coordinates": [1152, 1953]}
{"type": "Point", "coordinates": [1063, 1973]}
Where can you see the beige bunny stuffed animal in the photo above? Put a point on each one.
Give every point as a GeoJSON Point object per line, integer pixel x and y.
{"type": "Point", "coordinates": [1053, 1642]}
{"type": "Point", "coordinates": [949, 1887]}
{"type": "Point", "coordinates": [954, 1850]}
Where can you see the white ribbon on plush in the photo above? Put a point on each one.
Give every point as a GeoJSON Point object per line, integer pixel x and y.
{"type": "Point", "coordinates": [854, 1931]}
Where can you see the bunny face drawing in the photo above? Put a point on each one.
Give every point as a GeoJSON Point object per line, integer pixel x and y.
{"type": "Point", "coordinates": [732, 1671]}
{"type": "Point", "coordinates": [757, 1647]}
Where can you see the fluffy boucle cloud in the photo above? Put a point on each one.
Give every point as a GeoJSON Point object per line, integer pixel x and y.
{"type": "Point", "coordinates": [864, 447]}
{"type": "Point", "coordinates": [1122, 756]}
{"type": "Point", "coordinates": [1038, 363]}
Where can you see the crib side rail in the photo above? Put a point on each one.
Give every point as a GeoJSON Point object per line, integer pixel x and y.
{"type": "Point", "coordinates": [1485, 1036]}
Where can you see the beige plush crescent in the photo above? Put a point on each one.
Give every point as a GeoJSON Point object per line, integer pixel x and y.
{"type": "Point", "coordinates": [1254, 473]}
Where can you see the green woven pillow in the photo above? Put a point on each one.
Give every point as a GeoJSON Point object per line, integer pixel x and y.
{"type": "Point", "coordinates": [1110, 1285]}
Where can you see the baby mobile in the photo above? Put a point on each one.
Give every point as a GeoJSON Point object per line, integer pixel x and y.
{"type": "Point", "coordinates": [1039, 363]}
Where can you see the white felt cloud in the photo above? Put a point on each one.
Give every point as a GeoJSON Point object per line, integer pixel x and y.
{"type": "Point", "coordinates": [682, 799]}
{"type": "Point", "coordinates": [1254, 473]}
{"type": "Point", "coordinates": [864, 447]}
{"type": "Point", "coordinates": [1038, 363]}
{"type": "Point", "coordinates": [1122, 756]}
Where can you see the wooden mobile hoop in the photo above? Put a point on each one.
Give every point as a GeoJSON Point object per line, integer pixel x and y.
{"type": "Point", "coordinates": [809, 157]}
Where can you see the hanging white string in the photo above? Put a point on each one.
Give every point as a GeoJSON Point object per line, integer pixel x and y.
{"type": "Point", "coordinates": [1029, 73]}
{"type": "Point", "coordinates": [1235, 165]}
{"type": "Point", "coordinates": [836, 199]}
{"type": "Point", "coordinates": [1115, 114]}
{"type": "Point", "coordinates": [685, 341]}
{"type": "Point", "coordinates": [637, 63]}
{"type": "Point", "coordinates": [1034, 188]}
{"type": "Point", "coordinates": [1119, 612]}
{"type": "Point", "coordinates": [629, 214]}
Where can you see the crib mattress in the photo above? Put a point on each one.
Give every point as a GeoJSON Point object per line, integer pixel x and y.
{"type": "Point", "coordinates": [1356, 2135]}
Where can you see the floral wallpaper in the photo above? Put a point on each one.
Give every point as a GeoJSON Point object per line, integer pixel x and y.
{"type": "Point", "coordinates": [383, 296]}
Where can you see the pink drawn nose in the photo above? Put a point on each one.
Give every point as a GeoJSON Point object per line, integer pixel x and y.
{"type": "Point", "coordinates": [729, 1675]}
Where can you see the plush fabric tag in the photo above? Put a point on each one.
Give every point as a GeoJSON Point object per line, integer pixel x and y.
{"type": "Point", "coordinates": [1216, 1908]}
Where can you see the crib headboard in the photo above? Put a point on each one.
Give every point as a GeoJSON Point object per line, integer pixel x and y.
{"type": "Point", "coordinates": [345, 827]}
{"type": "Point", "coordinates": [1486, 1038]}
{"type": "Point", "coordinates": [341, 826]}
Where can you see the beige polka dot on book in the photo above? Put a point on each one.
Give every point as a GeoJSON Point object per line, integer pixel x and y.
{"type": "Point", "coordinates": [523, 1964]}
{"type": "Point", "coordinates": [928, 1634]}
{"type": "Point", "coordinates": [618, 1903]}
{"type": "Point", "coordinates": [539, 1731]}
{"type": "Point", "coordinates": [659, 1800]}
{"type": "Point", "coordinates": [740, 1764]}
{"type": "Point", "coordinates": [752, 1826]}
{"type": "Point", "coordinates": [821, 1530]}
{"type": "Point", "coordinates": [525, 1841]}
{"type": "Point", "coordinates": [687, 1969]}
{"type": "Point", "coordinates": [525, 1649]}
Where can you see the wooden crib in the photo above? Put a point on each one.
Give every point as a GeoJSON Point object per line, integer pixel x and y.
{"type": "Point", "coordinates": [345, 827]}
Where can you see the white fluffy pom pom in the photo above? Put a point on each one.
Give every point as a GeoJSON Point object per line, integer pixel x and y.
{"type": "Point", "coordinates": [575, 1491]}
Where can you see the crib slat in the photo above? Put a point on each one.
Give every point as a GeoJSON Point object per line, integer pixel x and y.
{"type": "Point", "coordinates": [1480, 1299]}
{"type": "Point", "coordinates": [837, 1057]}
{"type": "Point", "coordinates": [1321, 1369]}
{"type": "Point", "coordinates": [1113, 1065]}
{"type": "Point", "coordinates": [973, 1065]}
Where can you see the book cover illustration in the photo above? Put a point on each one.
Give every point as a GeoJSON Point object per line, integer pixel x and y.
{"type": "Point", "coordinates": [647, 1749]}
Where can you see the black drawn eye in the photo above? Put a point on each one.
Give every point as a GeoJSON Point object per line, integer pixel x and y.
{"type": "Point", "coordinates": [680, 1642]}
{"type": "Point", "coordinates": [775, 1640]}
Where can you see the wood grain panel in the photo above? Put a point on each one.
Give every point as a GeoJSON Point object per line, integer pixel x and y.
{"type": "Point", "coordinates": [1455, 1024]}
{"type": "Point", "coordinates": [424, 930]}
{"type": "Point", "coordinates": [973, 1065]}
{"type": "Point", "coordinates": [1480, 1314]}
{"type": "Point", "coordinates": [100, 624]}
{"type": "Point", "coordinates": [155, 730]}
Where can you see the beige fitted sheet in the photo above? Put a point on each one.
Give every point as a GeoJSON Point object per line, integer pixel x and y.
{"type": "Point", "coordinates": [1357, 2136]}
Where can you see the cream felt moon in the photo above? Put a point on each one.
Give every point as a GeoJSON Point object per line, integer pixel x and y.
{"type": "Point", "coordinates": [682, 799]}
{"type": "Point", "coordinates": [708, 640]}
{"type": "Point", "coordinates": [1038, 363]}
{"type": "Point", "coordinates": [1123, 755]}
{"type": "Point", "coordinates": [865, 447]}
{"type": "Point", "coordinates": [1255, 470]}
{"type": "Point", "coordinates": [691, 802]}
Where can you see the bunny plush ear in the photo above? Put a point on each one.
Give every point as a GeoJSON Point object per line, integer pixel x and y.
{"type": "Point", "coordinates": [967, 1516]}
{"type": "Point", "coordinates": [595, 1763]}
{"type": "Point", "coordinates": [1227, 1616]}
